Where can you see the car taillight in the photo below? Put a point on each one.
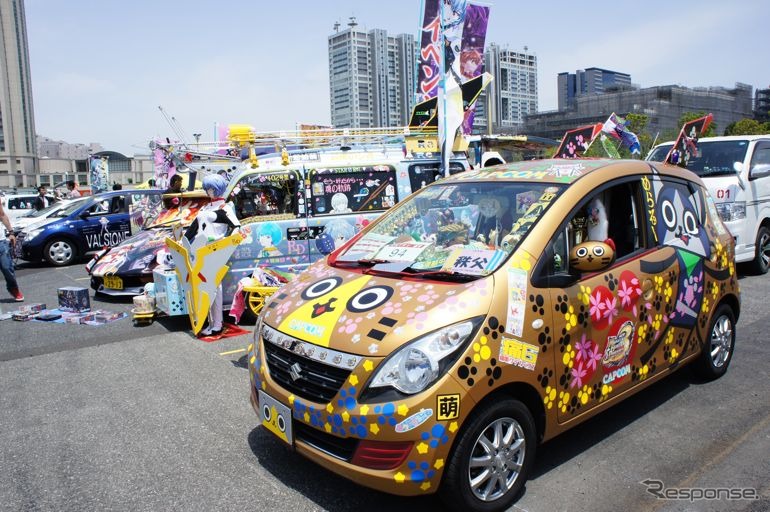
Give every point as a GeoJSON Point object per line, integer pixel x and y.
{"type": "Point", "coordinates": [381, 454]}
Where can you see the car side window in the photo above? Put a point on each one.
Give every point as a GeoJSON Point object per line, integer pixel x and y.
{"type": "Point", "coordinates": [761, 154]}
{"type": "Point", "coordinates": [266, 194]}
{"type": "Point", "coordinates": [613, 215]}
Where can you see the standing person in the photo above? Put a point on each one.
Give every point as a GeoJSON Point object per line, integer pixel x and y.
{"type": "Point", "coordinates": [41, 201]}
{"type": "Point", "coordinates": [73, 193]}
{"type": "Point", "coordinates": [174, 187]}
{"type": "Point", "coordinates": [7, 241]}
{"type": "Point", "coordinates": [214, 221]}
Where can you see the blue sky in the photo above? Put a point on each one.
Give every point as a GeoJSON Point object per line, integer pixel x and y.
{"type": "Point", "coordinates": [100, 69]}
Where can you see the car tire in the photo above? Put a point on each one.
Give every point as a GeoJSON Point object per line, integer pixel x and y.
{"type": "Point", "coordinates": [717, 352]}
{"type": "Point", "coordinates": [761, 262]}
{"type": "Point", "coordinates": [503, 432]}
{"type": "Point", "coordinates": [60, 252]}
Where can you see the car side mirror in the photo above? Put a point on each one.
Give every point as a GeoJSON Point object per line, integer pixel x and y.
{"type": "Point", "coordinates": [591, 256]}
{"type": "Point", "coordinates": [85, 214]}
{"type": "Point", "coordinates": [759, 171]}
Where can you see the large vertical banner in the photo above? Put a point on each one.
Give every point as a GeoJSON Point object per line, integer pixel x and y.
{"type": "Point", "coordinates": [474, 35]}
{"type": "Point", "coordinates": [99, 172]}
{"type": "Point", "coordinates": [164, 167]}
{"type": "Point", "coordinates": [428, 73]}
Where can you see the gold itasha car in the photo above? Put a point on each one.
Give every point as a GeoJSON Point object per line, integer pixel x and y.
{"type": "Point", "coordinates": [489, 312]}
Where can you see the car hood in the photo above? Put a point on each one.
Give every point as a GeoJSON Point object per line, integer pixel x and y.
{"type": "Point", "coordinates": [30, 223]}
{"type": "Point", "coordinates": [369, 314]}
{"type": "Point", "coordinates": [136, 255]}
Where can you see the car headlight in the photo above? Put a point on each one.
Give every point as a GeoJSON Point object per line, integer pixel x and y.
{"type": "Point", "coordinates": [418, 364]}
{"type": "Point", "coordinates": [731, 211]}
{"type": "Point", "coordinates": [29, 235]}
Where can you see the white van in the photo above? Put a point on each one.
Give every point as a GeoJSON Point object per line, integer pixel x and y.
{"type": "Point", "coordinates": [736, 171]}
{"type": "Point", "coordinates": [19, 205]}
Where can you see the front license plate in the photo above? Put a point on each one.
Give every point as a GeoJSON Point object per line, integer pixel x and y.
{"type": "Point", "coordinates": [275, 417]}
{"type": "Point", "coordinates": [113, 282]}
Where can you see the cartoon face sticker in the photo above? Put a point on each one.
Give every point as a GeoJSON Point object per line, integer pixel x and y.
{"type": "Point", "coordinates": [326, 301]}
{"type": "Point", "coordinates": [677, 210]}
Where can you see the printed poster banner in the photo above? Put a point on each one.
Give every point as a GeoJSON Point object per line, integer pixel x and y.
{"type": "Point", "coordinates": [685, 146]}
{"type": "Point", "coordinates": [99, 171]}
{"type": "Point", "coordinates": [428, 73]}
{"type": "Point", "coordinates": [472, 53]}
{"type": "Point", "coordinates": [577, 141]}
{"type": "Point", "coordinates": [164, 167]}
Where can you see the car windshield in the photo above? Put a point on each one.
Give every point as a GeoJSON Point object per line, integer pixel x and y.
{"type": "Point", "coordinates": [45, 211]}
{"type": "Point", "coordinates": [70, 209]}
{"type": "Point", "coordinates": [462, 229]}
{"type": "Point", "coordinates": [717, 158]}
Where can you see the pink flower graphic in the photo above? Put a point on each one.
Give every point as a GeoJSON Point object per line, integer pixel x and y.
{"type": "Point", "coordinates": [583, 348]}
{"type": "Point", "coordinates": [578, 373]}
{"type": "Point", "coordinates": [594, 356]}
{"type": "Point", "coordinates": [597, 306]}
{"type": "Point", "coordinates": [611, 309]}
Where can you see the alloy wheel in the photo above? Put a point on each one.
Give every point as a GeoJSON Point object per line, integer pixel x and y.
{"type": "Point", "coordinates": [721, 340]}
{"type": "Point", "coordinates": [496, 459]}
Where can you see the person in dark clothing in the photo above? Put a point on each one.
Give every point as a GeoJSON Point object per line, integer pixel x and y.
{"type": "Point", "coordinates": [174, 187]}
{"type": "Point", "coordinates": [41, 201]}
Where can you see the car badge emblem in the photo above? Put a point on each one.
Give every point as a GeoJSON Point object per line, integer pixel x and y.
{"type": "Point", "coordinates": [295, 371]}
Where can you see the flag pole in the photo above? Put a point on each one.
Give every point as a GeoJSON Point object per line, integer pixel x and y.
{"type": "Point", "coordinates": [442, 91]}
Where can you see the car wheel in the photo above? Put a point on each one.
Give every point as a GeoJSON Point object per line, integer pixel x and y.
{"type": "Point", "coordinates": [60, 252]}
{"type": "Point", "coordinates": [761, 263]}
{"type": "Point", "coordinates": [718, 349]}
{"type": "Point", "coordinates": [492, 458]}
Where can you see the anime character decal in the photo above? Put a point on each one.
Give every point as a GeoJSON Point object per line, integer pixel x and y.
{"type": "Point", "coordinates": [269, 236]}
{"type": "Point", "coordinates": [679, 211]}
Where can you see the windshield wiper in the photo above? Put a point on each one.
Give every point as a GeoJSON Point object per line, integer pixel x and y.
{"type": "Point", "coordinates": [363, 262]}
{"type": "Point", "coordinates": [441, 275]}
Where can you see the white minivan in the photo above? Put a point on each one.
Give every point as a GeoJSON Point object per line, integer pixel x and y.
{"type": "Point", "coordinates": [736, 171]}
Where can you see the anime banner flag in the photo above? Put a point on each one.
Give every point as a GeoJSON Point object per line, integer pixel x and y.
{"type": "Point", "coordinates": [453, 23]}
{"type": "Point", "coordinates": [163, 164]}
{"type": "Point", "coordinates": [99, 173]}
{"type": "Point", "coordinates": [615, 127]}
{"type": "Point", "coordinates": [685, 146]}
{"type": "Point", "coordinates": [472, 52]}
{"type": "Point", "coordinates": [577, 141]}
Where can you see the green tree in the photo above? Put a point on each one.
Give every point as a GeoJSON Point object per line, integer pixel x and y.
{"type": "Point", "coordinates": [691, 116]}
{"type": "Point", "coordinates": [747, 126]}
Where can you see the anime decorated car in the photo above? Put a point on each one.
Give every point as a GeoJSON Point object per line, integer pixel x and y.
{"type": "Point", "coordinates": [488, 313]}
{"type": "Point", "coordinates": [84, 227]}
{"type": "Point", "coordinates": [127, 267]}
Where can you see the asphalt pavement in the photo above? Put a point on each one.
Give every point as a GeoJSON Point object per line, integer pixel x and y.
{"type": "Point", "coordinates": [118, 417]}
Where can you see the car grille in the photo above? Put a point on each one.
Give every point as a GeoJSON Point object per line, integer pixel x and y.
{"type": "Point", "coordinates": [317, 382]}
{"type": "Point", "coordinates": [339, 447]}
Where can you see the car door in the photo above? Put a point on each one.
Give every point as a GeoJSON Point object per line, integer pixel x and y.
{"type": "Point", "coordinates": [611, 326]}
{"type": "Point", "coordinates": [106, 223]}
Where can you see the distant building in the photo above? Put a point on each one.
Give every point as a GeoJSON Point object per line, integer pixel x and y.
{"type": "Point", "coordinates": [49, 148]}
{"type": "Point", "coordinates": [512, 95]}
{"type": "Point", "coordinates": [663, 105]}
{"type": "Point", "coordinates": [17, 118]}
{"type": "Point", "coordinates": [371, 77]}
{"type": "Point", "coordinates": [762, 104]}
{"type": "Point", "coordinates": [590, 81]}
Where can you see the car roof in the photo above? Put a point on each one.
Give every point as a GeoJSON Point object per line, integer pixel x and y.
{"type": "Point", "coordinates": [567, 171]}
{"type": "Point", "coordinates": [723, 138]}
{"type": "Point", "coordinates": [135, 191]}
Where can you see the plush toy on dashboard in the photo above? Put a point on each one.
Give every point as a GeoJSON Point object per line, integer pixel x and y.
{"type": "Point", "coordinates": [495, 220]}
